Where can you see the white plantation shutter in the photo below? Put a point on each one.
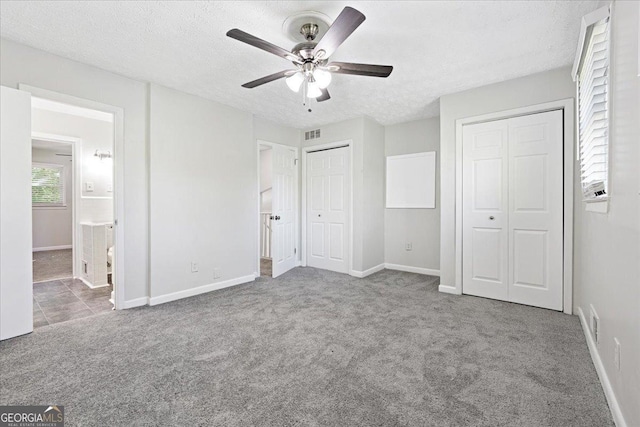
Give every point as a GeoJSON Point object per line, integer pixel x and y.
{"type": "Point", "coordinates": [593, 115]}
{"type": "Point", "coordinates": [47, 185]}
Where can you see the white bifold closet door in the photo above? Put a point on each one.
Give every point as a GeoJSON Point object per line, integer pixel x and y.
{"type": "Point", "coordinates": [328, 209]}
{"type": "Point", "coordinates": [283, 234]}
{"type": "Point", "coordinates": [512, 242]}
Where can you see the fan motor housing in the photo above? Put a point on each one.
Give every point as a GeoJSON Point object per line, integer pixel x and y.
{"type": "Point", "coordinates": [305, 50]}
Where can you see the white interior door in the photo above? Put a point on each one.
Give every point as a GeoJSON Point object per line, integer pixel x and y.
{"type": "Point", "coordinates": [512, 210]}
{"type": "Point", "coordinates": [283, 245]}
{"type": "Point", "coordinates": [16, 270]}
{"type": "Point", "coordinates": [536, 210]}
{"type": "Point", "coordinates": [484, 217]}
{"type": "Point", "coordinates": [328, 209]}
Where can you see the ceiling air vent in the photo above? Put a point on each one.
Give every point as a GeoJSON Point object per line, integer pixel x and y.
{"type": "Point", "coordinates": [312, 134]}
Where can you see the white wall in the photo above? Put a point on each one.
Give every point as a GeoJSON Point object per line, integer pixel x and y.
{"type": "Point", "coordinates": [203, 193]}
{"type": "Point", "coordinates": [22, 64]}
{"type": "Point", "coordinates": [264, 130]}
{"type": "Point", "coordinates": [373, 195]}
{"type": "Point", "coordinates": [607, 246]}
{"type": "Point", "coordinates": [420, 227]}
{"type": "Point", "coordinates": [52, 226]}
{"type": "Point", "coordinates": [525, 91]}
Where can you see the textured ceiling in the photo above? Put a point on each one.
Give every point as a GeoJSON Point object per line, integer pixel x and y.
{"type": "Point", "coordinates": [435, 47]}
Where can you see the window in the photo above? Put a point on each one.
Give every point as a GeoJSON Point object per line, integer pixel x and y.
{"type": "Point", "coordinates": [591, 72]}
{"type": "Point", "coordinates": [47, 185]}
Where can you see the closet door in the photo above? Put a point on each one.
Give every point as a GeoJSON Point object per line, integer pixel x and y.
{"type": "Point", "coordinates": [485, 255]}
{"type": "Point", "coordinates": [535, 210]}
{"type": "Point", "coordinates": [512, 210]}
{"type": "Point", "coordinates": [328, 201]}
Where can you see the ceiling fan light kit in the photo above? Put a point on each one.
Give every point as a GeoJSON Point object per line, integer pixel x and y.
{"type": "Point", "coordinates": [313, 72]}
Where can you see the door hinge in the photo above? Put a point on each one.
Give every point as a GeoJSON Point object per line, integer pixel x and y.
{"type": "Point", "coordinates": [295, 161]}
{"type": "Point", "coordinates": [295, 250]}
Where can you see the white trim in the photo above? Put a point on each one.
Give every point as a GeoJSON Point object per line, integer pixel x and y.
{"type": "Point", "coordinates": [448, 290]}
{"type": "Point", "coordinates": [52, 248]}
{"type": "Point", "coordinates": [368, 272]}
{"type": "Point", "coordinates": [118, 175]}
{"type": "Point", "coordinates": [91, 285]}
{"type": "Point", "coordinates": [296, 203]}
{"type": "Point", "coordinates": [303, 216]}
{"type": "Point", "coordinates": [567, 105]}
{"type": "Point", "coordinates": [200, 290]}
{"type": "Point", "coordinates": [137, 302]}
{"type": "Point", "coordinates": [614, 406]}
{"type": "Point", "coordinates": [410, 269]}
{"type": "Point", "coordinates": [587, 21]}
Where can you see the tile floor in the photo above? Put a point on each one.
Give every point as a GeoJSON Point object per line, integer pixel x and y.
{"type": "Point", "coordinates": [66, 299]}
{"type": "Point", "coordinates": [265, 267]}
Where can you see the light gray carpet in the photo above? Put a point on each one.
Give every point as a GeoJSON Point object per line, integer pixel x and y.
{"type": "Point", "coordinates": [50, 265]}
{"type": "Point", "coordinates": [313, 348]}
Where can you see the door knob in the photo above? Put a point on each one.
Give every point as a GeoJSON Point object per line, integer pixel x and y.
{"type": "Point", "coordinates": [492, 217]}
{"type": "Point", "coordinates": [277, 217]}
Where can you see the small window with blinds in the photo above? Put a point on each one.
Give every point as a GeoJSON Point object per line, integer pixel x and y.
{"type": "Point", "coordinates": [593, 111]}
{"type": "Point", "coordinates": [47, 185]}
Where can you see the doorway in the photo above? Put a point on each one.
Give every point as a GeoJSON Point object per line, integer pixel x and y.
{"type": "Point", "coordinates": [512, 213]}
{"type": "Point", "coordinates": [73, 211]}
{"type": "Point", "coordinates": [53, 199]}
{"type": "Point", "coordinates": [278, 209]}
{"type": "Point", "coordinates": [327, 207]}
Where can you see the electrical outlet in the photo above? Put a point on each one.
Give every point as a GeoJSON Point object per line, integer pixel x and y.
{"type": "Point", "coordinates": [194, 267]}
{"type": "Point", "coordinates": [616, 353]}
{"type": "Point", "coordinates": [595, 324]}
{"type": "Point", "coordinates": [408, 246]}
{"type": "Point", "coordinates": [216, 273]}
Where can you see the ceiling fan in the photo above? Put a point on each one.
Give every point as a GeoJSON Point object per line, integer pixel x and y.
{"type": "Point", "coordinates": [313, 70]}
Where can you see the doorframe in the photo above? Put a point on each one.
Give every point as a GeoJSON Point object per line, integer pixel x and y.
{"type": "Point", "coordinates": [296, 179]}
{"type": "Point", "coordinates": [567, 106]}
{"type": "Point", "coordinates": [303, 242]}
{"type": "Point", "coordinates": [76, 185]}
{"type": "Point", "coordinates": [118, 177]}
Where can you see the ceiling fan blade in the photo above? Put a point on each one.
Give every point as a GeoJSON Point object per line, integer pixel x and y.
{"type": "Point", "coordinates": [262, 44]}
{"type": "Point", "coordinates": [267, 79]}
{"type": "Point", "coordinates": [325, 95]}
{"type": "Point", "coordinates": [360, 69]}
{"type": "Point", "coordinates": [345, 24]}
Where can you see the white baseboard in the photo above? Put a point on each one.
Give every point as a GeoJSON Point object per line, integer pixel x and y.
{"type": "Point", "coordinates": [368, 272]}
{"type": "Point", "coordinates": [90, 285]}
{"type": "Point", "coordinates": [138, 302]}
{"type": "Point", "coordinates": [602, 374]}
{"type": "Point", "coordinates": [409, 269]}
{"type": "Point", "coordinates": [200, 290]}
{"type": "Point", "coordinates": [51, 248]}
{"type": "Point", "coordinates": [448, 290]}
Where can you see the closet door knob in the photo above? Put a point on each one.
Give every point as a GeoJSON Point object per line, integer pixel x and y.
{"type": "Point", "coordinates": [492, 217]}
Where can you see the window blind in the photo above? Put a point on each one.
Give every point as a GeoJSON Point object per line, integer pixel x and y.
{"type": "Point", "coordinates": [47, 185]}
{"type": "Point", "coordinates": [593, 90]}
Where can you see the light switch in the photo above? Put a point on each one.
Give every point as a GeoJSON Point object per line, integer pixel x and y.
{"type": "Point", "coordinates": [109, 188]}
{"type": "Point", "coordinates": [88, 186]}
